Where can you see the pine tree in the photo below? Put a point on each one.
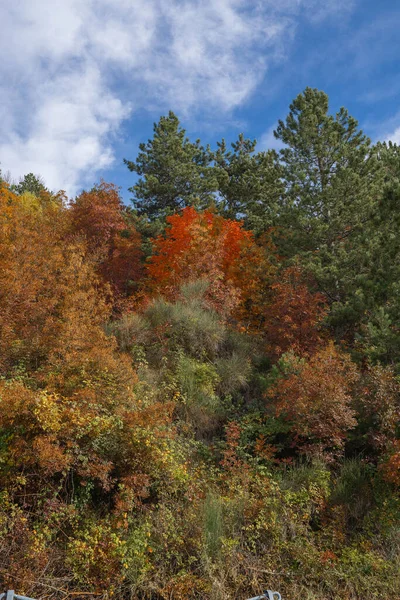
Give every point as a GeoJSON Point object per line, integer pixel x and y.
{"type": "Point", "coordinates": [379, 337]}
{"type": "Point", "coordinates": [173, 172]}
{"type": "Point", "coordinates": [333, 184]}
{"type": "Point", "coordinates": [249, 182]}
{"type": "Point", "coordinates": [331, 172]}
{"type": "Point", "coordinates": [30, 183]}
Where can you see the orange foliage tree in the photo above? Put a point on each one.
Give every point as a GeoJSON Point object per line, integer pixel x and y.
{"type": "Point", "coordinates": [53, 309]}
{"type": "Point", "coordinates": [391, 466]}
{"type": "Point", "coordinates": [377, 404]}
{"type": "Point", "coordinates": [314, 396]}
{"type": "Point", "coordinates": [32, 264]}
{"type": "Point", "coordinates": [70, 419]}
{"type": "Point", "coordinates": [293, 318]}
{"type": "Point", "coordinates": [203, 245]}
{"type": "Point", "coordinates": [98, 215]}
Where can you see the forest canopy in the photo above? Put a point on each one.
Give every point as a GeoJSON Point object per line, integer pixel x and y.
{"type": "Point", "coordinates": [199, 392]}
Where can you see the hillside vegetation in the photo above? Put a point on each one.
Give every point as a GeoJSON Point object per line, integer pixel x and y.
{"type": "Point", "coordinates": [200, 394]}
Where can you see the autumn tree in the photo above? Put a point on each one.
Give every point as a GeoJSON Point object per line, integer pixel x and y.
{"type": "Point", "coordinates": [314, 396]}
{"type": "Point", "coordinates": [73, 433]}
{"type": "Point", "coordinates": [98, 216]}
{"type": "Point", "coordinates": [294, 317]}
{"type": "Point", "coordinates": [377, 405]}
{"type": "Point", "coordinates": [31, 258]}
{"type": "Point", "coordinates": [391, 467]}
{"type": "Point", "coordinates": [206, 246]}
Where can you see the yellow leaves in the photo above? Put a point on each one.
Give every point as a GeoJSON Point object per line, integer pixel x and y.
{"type": "Point", "coordinates": [47, 412]}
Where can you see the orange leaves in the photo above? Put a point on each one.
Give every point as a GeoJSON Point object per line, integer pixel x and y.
{"type": "Point", "coordinates": [45, 283]}
{"type": "Point", "coordinates": [33, 420]}
{"type": "Point", "coordinates": [98, 216]}
{"type": "Point", "coordinates": [133, 489]}
{"type": "Point", "coordinates": [315, 397]}
{"type": "Point", "coordinates": [123, 268]}
{"type": "Point", "coordinates": [391, 468]}
{"type": "Point", "coordinates": [52, 435]}
{"type": "Point", "coordinates": [293, 319]}
{"type": "Point", "coordinates": [232, 463]}
{"type": "Point", "coordinates": [377, 403]}
{"type": "Point", "coordinates": [205, 245]}
{"type": "Point", "coordinates": [51, 457]}
{"type": "Point", "coordinates": [45, 438]}
{"type": "Point", "coordinates": [53, 308]}
{"type": "Point", "coordinates": [194, 247]}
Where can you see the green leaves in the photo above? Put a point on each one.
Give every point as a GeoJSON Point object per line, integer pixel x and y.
{"type": "Point", "coordinates": [333, 179]}
{"type": "Point", "coordinates": [331, 173]}
{"type": "Point", "coordinates": [249, 183]}
{"type": "Point", "coordinates": [173, 171]}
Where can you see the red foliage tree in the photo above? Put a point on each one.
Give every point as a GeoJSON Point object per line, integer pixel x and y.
{"type": "Point", "coordinates": [98, 215]}
{"type": "Point", "coordinates": [207, 246]}
{"type": "Point", "coordinates": [294, 317]}
{"type": "Point", "coordinates": [315, 397]}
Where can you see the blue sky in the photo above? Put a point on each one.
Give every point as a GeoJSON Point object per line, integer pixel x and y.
{"type": "Point", "coordinates": [82, 81]}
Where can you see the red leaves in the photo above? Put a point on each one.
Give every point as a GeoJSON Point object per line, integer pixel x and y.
{"type": "Point", "coordinates": [98, 215]}
{"type": "Point", "coordinates": [315, 397]}
{"type": "Point", "coordinates": [294, 317]}
{"type": "Point", "coordinates": [207, 246]}
{"type": "Point", "coordinates": [196, 246]}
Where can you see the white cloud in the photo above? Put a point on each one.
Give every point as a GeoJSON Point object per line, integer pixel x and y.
{"type": "Point", "coordinates": [73, 116]}
{"type": "Point", "coordinates": [385, 131]}
{"type": "Point", "coordinates": [318, 11]}
{"type": "Point", "coordinates": [390, 130]}
{"type": "Point", "coordinates": [68, 66]}
{"type": "Point", "coordinates": [268, 141]}
{"type": "Point", "coordinates": [394, 136]}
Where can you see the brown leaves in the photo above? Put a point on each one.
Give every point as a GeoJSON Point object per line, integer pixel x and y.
{"type": "Point", "coordinates": [377, 403]}
{"type": "Point", "coordinates": [293, 319]}
{"type": "Point", "coordinates": [391, 467]}
{"type": "Point", "coordinates": [98, 216]}
{"type": "Point", "coordinates": [314, 395]}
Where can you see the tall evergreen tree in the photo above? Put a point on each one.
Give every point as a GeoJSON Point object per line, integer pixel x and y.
{"type": "Point", "coordinates": [331, 172]}
{"type": "Point", "coordinates": [379, 337]}
{"type": "Point", "coordinates": [249, 182]}
{"type": "Point", "coordinates": [30, 183]}
{"type": "Point", "coordinates": [333, 181]}
{"type": "Point", "coordinates": [173, 172]}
